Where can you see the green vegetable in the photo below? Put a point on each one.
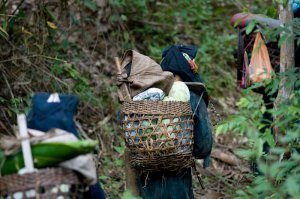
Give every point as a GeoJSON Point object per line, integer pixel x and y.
{"type": "Point", "coordinates": [168, 98]}
{"type": "Point", "coordinates": [166, 121]}
{"type": "Point", "coordinates": [175, 119]}
{"type": "Point", "coordinates": [145, 123]}
{"type": "Point", "coordinates": [149, 130]}
{"type": "Point", "coordinates": [180, 92]}
{"type": "Point", "coordinates": [170, 129]}
{"type": "Point", "coordinates": [48, 154]}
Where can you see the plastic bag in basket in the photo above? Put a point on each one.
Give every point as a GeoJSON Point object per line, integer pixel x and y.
{"type": "Point", "coordinates": [260, 66]}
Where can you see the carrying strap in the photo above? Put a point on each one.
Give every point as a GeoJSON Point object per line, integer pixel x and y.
{"type": "Point", "coordinates": [197, 105]}
{"type": "Point", "coordinates": [197, 173]}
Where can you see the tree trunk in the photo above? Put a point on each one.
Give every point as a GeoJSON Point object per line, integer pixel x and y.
{"type": "Point", "coordinates": [287, 60]}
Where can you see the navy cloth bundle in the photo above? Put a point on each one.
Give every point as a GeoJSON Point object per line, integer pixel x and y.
{"type": "Point", "coordinates": [174, 61]}
{"type": "Point", "coordinates": [47, 115]}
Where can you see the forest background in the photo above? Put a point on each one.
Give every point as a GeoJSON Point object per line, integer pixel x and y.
{"type": "Point", "coordinates": [68, 46]}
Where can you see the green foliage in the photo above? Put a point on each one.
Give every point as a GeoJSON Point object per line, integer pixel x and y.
{"type": "Point", "coordinates": [281, 175]}
{"type": "Point", "coordinates": [150, 26]}
{"type": "Point", "coordinates": [250, 26]}
{"type": "Point", "coordinates": [128, 195]}
{"type": "Point", "coordinates": [50, 55]}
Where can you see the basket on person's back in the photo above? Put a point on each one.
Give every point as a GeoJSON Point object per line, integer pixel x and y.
{"type": "Point", "coordinates": [159, 134]}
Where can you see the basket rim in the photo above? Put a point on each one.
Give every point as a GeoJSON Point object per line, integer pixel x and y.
{"type": "Point", "coordinates": [157, 108]}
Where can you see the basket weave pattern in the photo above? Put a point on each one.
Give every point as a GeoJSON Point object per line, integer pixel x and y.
{"type": "Point", "coordinates": [46, 183]}
{"type": "Point", "coordinates": [159, 134]}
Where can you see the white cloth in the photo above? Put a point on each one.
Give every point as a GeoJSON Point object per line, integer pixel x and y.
{"type": "Point", "coordinates": [153, 94]}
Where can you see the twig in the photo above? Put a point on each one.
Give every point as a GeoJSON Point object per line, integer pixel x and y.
{"type": "Point", "coordinates": [8, 122]}
{"type": "Point", "coordinates": [6, 15]}
{"type": "Point", "coordinates": [2, 126]}
{"type": "Point", "coordinates": [229, 159]}
{"type": "Point", "coordinates": [17, 8]}
{"type": "Point", "coordinates": [82, 132]}
{"type": "Point", "coordinates": [32, 56]}
{"type": "Point", "coordinates": [105, 120]}
{"type": "Point", "coordinates": [3, 4]}
{"type": "Point", "coordinates": [97, 37]}
{"type": "Point", "coordinates": [214, 174]}
{"type": "Point", "coordinates": [9, 88]}
{"type": "Point", "coordinates": [101, 144]}
{"type": "Point", "coordinates": [53, 76]}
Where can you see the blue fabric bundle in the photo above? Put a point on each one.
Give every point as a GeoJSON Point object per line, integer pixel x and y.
{"type": "Point", "coordinates": [45, 116]}
{"type": "Point", "coordinates": [174, 61]}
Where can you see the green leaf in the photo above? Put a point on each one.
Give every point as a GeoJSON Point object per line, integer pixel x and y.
{"type": "Point", "coordinates": [51, 14]}
{"type": "Point", "coordinates": [90, 4]}
{"type": "Point", "coordinates": [237, 22]}
{"type": "Point", "coordinates": [119, 149]}
{"type": "Point", "coordinates": [269, 138]}
{"type": "Point", "coordinates": [282, 39]}
{"type": "Point", "coordinates": [119, 162]}
{"type": "Point", "coordinates": [221, 128]}
{"type": "Point", "coordinates": [272, 12]}
{"type": "Point", "coordinates": [244, 102]}
{"type": "Point", "coordinates": [250, 26]}
{"type": "Point", "coordinates": [246, 154]}
{"type": "Point", "coordinates": [124, 17]}
{"type": "Point", "coordinates": [2, 160]}
{"type": "Point", "coordinates": [292, 185]}
{"type": "Point", "coordinates": [128, 195]}
{"type": "Point", "coordinates": [278, 150]}
{"type": "Point", "coordinates": [3, 33]}
{"type": "Point", "coordinates": [258, 147]}
{"type": "Point", "coordinates": [103, 177]}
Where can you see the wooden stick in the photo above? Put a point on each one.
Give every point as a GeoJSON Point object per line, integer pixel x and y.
{"type": "Point", "coordinates": [131, 175]}
{"type": "Point", "coordinates": [224, 157]}
{"type": "Point", "coordinates": [123, 91]}
{"type": "Point", "coordinates": [130, 172]}
{"type": "Point", "coordinates": [27, 155]}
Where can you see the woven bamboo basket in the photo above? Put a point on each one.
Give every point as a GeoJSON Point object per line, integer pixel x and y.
{"type": "Point", "coordinates": [46, 183]}
{"type": "Point", "coordinates": [158, 134]}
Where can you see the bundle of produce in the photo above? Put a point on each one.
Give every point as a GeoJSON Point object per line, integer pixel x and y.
{"type": "Point", "coordinates": [46, 155]}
